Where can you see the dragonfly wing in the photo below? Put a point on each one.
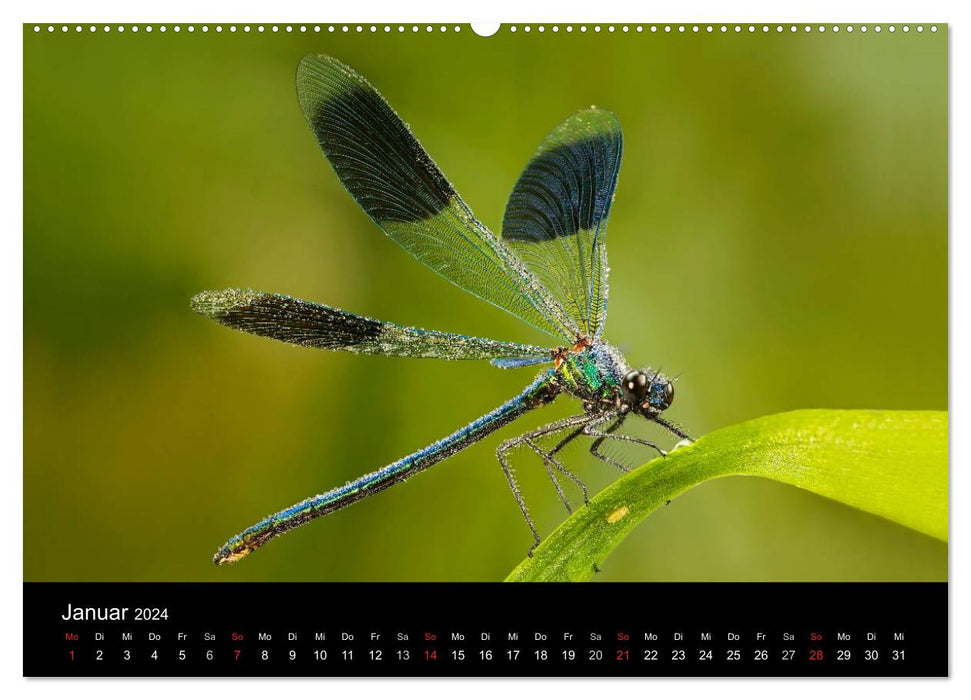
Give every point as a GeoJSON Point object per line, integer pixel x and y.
{"type": "Point", "coordinates": [556, 218]}
{"type": "Point", "coordinates": [395, 181]}
{"type": "Point", "coordinates": [317, 326]}
{"type": "Point", "coordinates": [517, 362]}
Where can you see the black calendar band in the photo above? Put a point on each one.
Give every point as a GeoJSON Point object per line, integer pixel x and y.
{"type": "Point", "coordinates": [485, 629]}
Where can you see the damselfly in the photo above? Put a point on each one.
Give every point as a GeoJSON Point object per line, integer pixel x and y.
{"type": "Point", "coordinates": [549, 268]}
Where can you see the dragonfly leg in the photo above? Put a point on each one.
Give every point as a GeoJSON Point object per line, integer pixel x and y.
{"type": "Point", "coordinates": [567, 440]}
{"type": "Point", "coordinates": [517, 494]}
{"type": "Point", "coordinates": [591, 430]}
{"type": "Point", "coordinates": [548, 464]}
{"type": "Point", "coordinates": [549, 459]}
{"type": "Point", "coordinates": [673, 428]}
{"type": "Point", "coordinates": [527, 439]}
{"type": "Point", "coordinates": [595, 447]}
{"type": "Point", "coordinates": [594, 450]}
{"type": "Point", "coordinates": [573, 477]}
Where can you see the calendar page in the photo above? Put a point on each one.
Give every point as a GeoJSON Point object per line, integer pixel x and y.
{"type": "Point", "coordinates": [331, 367]}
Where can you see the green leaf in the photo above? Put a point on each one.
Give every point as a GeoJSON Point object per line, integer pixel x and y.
{"type": "Point", "coordinates": [889, 463]}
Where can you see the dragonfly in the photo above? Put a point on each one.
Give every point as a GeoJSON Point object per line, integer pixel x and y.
{"type": "Point", "coordinates": [548, 267]}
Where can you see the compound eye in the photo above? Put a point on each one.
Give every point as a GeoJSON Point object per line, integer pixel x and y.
{"type": "Point", "coordinates": [662, 394]}
{"type": "Point", "coordinates": [636, 385]}
{"type": "Point", "coordinates": [668, 394]}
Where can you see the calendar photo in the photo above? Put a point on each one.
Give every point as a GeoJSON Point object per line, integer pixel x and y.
{"type": "Point", "coordinates": [426, 308]}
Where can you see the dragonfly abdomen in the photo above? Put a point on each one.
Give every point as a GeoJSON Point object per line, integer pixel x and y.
{"type": "Point", "coordinates": [537, 394]}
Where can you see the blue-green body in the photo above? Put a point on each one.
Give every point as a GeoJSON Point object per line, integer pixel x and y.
{"type": "Point", "coordinates": [594, 375]}
{"type": "Point", "coordinates": [549, 268]}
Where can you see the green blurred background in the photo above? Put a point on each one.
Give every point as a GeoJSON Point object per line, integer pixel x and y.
{"type": "Point", "coordinates": [779, 239]}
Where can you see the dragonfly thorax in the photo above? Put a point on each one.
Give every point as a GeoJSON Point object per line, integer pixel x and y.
{"type": "Point", "coordinates": [599, 376]}
{"type": "Point", "coordinates": [594, 374]}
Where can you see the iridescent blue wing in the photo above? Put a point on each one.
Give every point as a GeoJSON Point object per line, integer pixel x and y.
{"type": "Point", "coordinates": [317, 326]}
{"type": "Point", "coordinates": [556, 219]}
{"type": "Point", "coordinates": [397, 184]}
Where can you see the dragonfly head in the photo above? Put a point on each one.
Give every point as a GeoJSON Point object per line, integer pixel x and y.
{"type": "Point", "coordinates": [648, 393]}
